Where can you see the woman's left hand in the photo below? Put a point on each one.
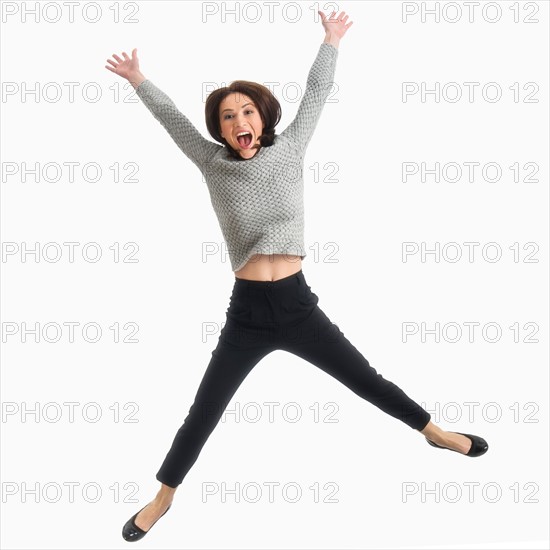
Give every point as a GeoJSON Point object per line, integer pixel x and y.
{"type": "Point", "coordinates": [335, 26]}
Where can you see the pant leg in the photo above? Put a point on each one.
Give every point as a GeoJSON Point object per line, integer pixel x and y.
{"type": "Point", "coordinates": [322, 343]}
{"type": "Point", "coordinates": [228, 367]}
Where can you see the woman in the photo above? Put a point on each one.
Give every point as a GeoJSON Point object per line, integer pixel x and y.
{"type": "Point", "coordinates": [257, 195]}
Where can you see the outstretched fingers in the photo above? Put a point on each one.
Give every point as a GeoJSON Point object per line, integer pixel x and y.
{"type": "Point", "coordinates": [336, 23]}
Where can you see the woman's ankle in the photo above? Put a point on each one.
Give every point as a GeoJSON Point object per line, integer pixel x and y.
{"type": "Point", "coordinates": [165, 495]}
{"type": "Point", "coordinates": [435, 433]}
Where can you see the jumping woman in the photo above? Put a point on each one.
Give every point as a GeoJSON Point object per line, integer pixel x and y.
{"type": "Point", "coordinates": [257, 195]}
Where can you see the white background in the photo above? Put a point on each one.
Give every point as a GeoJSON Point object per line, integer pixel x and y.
{"type": "Point", "coordinates": [174, 293]}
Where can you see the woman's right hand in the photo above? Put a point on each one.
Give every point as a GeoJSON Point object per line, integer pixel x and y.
{"type": "Point", "coordinates": [127, 68]}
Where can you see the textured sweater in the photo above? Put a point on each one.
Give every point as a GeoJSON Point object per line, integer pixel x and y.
{"type": "Point", "coordinates": [259, 202]}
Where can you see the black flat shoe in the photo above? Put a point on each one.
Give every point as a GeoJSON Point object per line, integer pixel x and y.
{"type": "Point", "coordinates": [131, 532]}
{"type": "Point", "coordinates": [479, 445]}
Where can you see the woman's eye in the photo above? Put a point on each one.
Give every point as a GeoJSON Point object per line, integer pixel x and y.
{"type": "Point", "coordinates": [228, 116]}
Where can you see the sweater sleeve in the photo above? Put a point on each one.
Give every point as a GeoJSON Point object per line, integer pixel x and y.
{"type": "Point", "coordinates": [183, 132]}
{"type": "Point", "coordinates": [318, 86]}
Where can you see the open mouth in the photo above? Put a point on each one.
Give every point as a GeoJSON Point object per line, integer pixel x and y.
{"type": "Point", "coordinates": [244, 139]}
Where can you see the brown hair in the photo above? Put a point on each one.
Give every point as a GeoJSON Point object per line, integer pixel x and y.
{"type": "Point", "coordinates": [266, 102]}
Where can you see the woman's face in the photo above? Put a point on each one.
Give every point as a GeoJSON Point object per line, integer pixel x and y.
{"type": "Point", "coordinates": [239, 114]}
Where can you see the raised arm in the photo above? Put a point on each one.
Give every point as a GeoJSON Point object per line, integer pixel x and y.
{"type": "Point", "coordinates": [319, 81]}
{"type": "Point", "coordinates": [197, 148]}
{"type": "Point", "coordinates": [187, 137]}
{"type": "Point", "coordinates": [318, 86]}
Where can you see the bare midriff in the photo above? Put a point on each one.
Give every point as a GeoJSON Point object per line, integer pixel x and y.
{"type": "Point", "coordinates": [269, 267]}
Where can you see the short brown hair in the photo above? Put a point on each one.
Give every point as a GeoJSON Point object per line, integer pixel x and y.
{"type": "Point", "coordinates": [266, 102]}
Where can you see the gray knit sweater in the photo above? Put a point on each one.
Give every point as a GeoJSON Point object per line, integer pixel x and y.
{"type": "Point", "coordinates": [259, 202]}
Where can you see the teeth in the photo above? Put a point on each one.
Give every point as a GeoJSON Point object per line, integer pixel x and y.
{"type": "Point", "coordinates": [242, 134]}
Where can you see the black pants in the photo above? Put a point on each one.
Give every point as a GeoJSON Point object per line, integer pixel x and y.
{"type": "Point", "coordinates": [264, 316]}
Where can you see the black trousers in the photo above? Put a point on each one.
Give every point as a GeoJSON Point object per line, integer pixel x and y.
{"type": "Point", "coordinates": [264, 316]}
